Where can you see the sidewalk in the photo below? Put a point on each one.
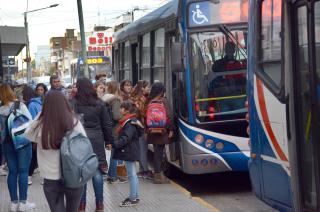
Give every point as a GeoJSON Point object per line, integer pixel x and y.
{"type": "Point", "coordinates": [168, 197]}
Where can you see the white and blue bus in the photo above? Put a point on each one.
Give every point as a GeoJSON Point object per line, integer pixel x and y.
{"type": "Point", "coordinates": [284, 103]}
{"type": "Point", "coordinates": [198, 50]}
{"type": "Point", "coordinates": [96, 65]}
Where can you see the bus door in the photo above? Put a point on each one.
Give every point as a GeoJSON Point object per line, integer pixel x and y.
{"type": "Point", "coordinates": [173, 41]}
{"type": "Point", "coordinates": [135, 62]}
{"type": "Point", "coordinates": [306, 48]}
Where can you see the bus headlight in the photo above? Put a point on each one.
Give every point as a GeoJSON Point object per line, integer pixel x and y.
{"type": "Point", "coordinates": [199, 139]}
{"type": "Point", "coordinates": [209, 143]}
{"type": "Point", "coordinates": [219, 146]}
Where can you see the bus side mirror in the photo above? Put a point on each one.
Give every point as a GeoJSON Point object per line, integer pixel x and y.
{"type": "Point", "coordinates": [177, 64]}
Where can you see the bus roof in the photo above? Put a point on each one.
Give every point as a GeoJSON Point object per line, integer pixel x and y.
{"type": "Point", "coordinates": [149, 21]}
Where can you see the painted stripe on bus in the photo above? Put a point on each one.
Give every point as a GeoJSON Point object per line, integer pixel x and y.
{"type": "Point", "coordinates": [266, 121]}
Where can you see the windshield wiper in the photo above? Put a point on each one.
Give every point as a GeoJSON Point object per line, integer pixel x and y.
{"type": "Point", "coordinates": [229, 34]}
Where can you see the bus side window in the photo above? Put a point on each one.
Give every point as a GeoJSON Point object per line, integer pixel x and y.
{"type": "Point", "coordinates": [270, 42]}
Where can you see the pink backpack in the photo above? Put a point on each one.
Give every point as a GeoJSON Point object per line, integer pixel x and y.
{"type": "Point", "coordinates": [156, 117]}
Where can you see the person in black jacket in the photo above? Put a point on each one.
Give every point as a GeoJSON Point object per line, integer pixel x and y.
{"type": "Point", "coordinates": [98, 126]}
{"type": "Point", "coordinates": [127, 148]}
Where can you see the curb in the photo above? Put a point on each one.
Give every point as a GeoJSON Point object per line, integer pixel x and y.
{"type": "Point", "coordinates": [197, 199]}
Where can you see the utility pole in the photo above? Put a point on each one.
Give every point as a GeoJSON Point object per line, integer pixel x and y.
{"type": "Point", "coordinates": [28, 59]}
{"type": "Point", "coordinates": [1, 67]}
{"type": "Point", "coordinates": [83, 39]}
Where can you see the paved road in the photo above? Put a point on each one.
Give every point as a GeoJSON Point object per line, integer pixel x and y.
{"type": "Point", "coordinates": [228, 192]}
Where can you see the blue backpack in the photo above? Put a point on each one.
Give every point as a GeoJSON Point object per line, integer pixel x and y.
{"type": "Point", "coordinates": [17, 123]}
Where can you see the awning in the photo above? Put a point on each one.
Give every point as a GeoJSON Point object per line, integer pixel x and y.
{"type": "Point", "coordinates": [12, 40]}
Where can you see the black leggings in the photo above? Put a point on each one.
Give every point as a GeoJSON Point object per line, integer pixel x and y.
{"type": "Point", "coordinates": [55, 192]}
{"type": "Point", "coordinates": [34, 162]}
{"type": "Point", "coordinates": [158, 157]}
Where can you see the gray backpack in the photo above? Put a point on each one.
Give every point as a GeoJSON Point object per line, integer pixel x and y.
{"type": "Point", "coordinates": [78, 161]}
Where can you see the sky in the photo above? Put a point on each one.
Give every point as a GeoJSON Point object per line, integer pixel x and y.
{"type": "Point", "coordinates": [53, 22]}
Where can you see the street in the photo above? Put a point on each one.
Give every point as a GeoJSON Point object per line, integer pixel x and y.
{"type": "Point", "coordinates": [230, 192]}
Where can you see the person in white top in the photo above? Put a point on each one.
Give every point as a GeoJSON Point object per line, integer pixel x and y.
{"type": "Point", "coordinates": [47, 131]}
{"type": "Point", "coordinates": [18, 160]}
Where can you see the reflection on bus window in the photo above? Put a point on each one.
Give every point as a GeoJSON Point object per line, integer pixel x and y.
{"type": "Point", "coordinates": [271, 40]}
{"type": "Point", "coordinates": [219, 69]}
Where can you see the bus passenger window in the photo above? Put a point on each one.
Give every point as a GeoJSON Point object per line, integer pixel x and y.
{"type": "Point", "coordinates": [145, 58]}
{"type": "Point", "coordinates": [271, 40]}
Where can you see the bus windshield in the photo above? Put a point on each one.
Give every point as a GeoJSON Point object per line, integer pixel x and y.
{"type": "Point", "coordinates": [219, 67]}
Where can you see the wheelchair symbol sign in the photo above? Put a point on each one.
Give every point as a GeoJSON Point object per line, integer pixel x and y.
{"type": "Point", "coordinates": [199, 14]}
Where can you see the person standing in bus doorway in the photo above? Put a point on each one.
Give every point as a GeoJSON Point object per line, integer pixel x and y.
{"type": "Point", "coordinates": [47, 131]}
{"type": "Point", "coordinates": [98, 126]}
{"type": "Point", "coordinates": [139, 96]}
{"type": "Point", "coordinates": [158, 136]}
{"type": "Point", "coordinates": [56, 85]}
{"type": "Point", "coordinates": [125, 89]}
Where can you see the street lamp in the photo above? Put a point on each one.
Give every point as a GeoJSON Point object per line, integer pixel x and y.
{"type": "Point", "coordinates": [28, 59]}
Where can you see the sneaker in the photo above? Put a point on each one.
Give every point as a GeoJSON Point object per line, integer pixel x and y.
{"type": "Point", "coordinates": [13, 207]}
{"type": "Point", "coordinates": [118, 180]}
{"type": "Point", "coordinates": [129, 203]}
{"type": "Point", "coordinates": [26, 206]}
{"type": "Point", "coordinates": [148, 175]}
{"type": "Point", "coordinates": [140, 174]}
{"type": "Point", "coordinates": [3, 172]}
{"type": "Point", "coordinates": [29, 180]}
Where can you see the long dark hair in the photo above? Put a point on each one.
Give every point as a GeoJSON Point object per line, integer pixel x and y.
{"type": "Point", "coordinates": [45, 88]}
{"type": "Point", "coordinates": [56, 119]}
{"type": "Point", "coordinates": [27, 94]}
{"type": "Point", "coordinates": [137, 90]}
{"type": "Point", "coordinates": [86, 95]}
{"type": "Point", "coordinates": [157, 89]}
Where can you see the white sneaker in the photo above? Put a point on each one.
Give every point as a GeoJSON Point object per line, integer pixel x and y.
{"type": "Point", "coordinates": [29, 180]}
{"type": "Point", "coordinates": [13, 207]}
{"type": "Point", "coordinates": [26, 206]}
{"type": "Point", "coordinates": [3, 172]}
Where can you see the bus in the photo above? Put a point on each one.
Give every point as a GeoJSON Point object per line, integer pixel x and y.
{"type": "Point", "coordinates": [96, 65]}
{"type": "Point", "coordinates": [198, 50]}
{"type": "Point", "coordinates": [284, 103]}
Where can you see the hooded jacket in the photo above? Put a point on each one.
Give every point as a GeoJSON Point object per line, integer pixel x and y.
{"type": "Point", "coordinates": [97, 124]}
{"type": "Point", "coordinates": [127, 145]}
{"type": "Point", "coordinates": [35, 106]}
{"type": "Point", "coordinates": [114, 102]}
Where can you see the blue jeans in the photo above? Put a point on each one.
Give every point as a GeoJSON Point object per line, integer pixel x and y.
{"type": "Point", "coordinates": [143, 154]}
{"type": "Point", "coordinates": [112, 172]}
{"type": "Point", "coordinates": [133, 179]}
{"type": "Point", "coordinates": [18, 164]}
{"type": "Point", "coordinates": [97, 182]}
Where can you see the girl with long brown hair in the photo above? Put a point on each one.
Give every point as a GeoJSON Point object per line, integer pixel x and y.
{"type": "Point", "coordinates": [140, 95]}
{"type": "Point", "coordinates": [18, 160]}
{"type": "Point", "coordinates": [47, 131]}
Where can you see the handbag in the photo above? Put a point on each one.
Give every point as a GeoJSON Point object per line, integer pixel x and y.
{"type": "Point", "coordinates": [121, 170]}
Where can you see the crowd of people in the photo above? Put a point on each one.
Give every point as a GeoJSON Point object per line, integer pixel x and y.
{"type": "Point", "coordinates": [113, 116]}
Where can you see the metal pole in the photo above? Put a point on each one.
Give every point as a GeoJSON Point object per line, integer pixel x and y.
{"type": "Point", "coordinates": [27, 50]}
{"type": "Point", "coordinates": [9, 71]}
{"type": "Point", "coordinates": [83, 39]}
{"type": "Point", "coordinates": [1, 67]}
